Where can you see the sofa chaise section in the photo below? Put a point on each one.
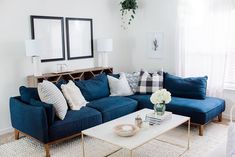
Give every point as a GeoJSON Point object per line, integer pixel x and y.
{"type": "Point", "coordinates": [201, 111]}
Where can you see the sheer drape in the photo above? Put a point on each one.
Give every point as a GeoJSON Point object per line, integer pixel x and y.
{"type": "Point", "coordinates": [204, 40]}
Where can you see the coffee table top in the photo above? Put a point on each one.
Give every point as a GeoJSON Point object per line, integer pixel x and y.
{"type": "Point", "coordinates": [106, 133]}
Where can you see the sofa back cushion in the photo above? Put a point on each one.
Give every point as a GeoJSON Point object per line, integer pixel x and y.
{"type": "Point", "coordinates": [192, 87]}
{"type": "Point", "coordinates": [28, 93]}
{"type": "Point", "coordinates": [94, 88]}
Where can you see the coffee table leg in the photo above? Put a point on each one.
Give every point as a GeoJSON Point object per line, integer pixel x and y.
{"type": "Point", "coordinates": [83, 147]}
{"type": "Point", "coordinates": [188, 133]}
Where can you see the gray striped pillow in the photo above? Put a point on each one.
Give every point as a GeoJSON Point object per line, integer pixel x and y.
{"type": "Point", "coordinates": [50, 94]}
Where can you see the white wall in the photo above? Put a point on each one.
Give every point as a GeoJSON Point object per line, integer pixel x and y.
{"type": "Point", "coordinates": [15, 28]}
{"type": "Point", "coordinates": [154, 16]}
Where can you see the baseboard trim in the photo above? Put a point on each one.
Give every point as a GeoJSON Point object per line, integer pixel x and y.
{"type": "Point", "coordinates": [227, 116]}
{"type": "Point", "coordinates": [5, 131]}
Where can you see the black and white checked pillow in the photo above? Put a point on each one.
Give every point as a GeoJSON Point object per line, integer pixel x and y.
{"type": "Point", "coordinates": [149, 83]}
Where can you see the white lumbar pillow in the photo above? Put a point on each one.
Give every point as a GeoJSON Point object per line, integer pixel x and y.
{"type": "Point", "coordinates": [73, 95]}
{"type": "Point", "coordinates": [50, 94]}
{"type": "Point", "coordinates": [119, 87]}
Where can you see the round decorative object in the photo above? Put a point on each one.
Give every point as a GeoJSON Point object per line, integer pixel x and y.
{"type": "Point", "coordinates": [126, 130]}
{"type": "Point", "coordinates": [159, 109]}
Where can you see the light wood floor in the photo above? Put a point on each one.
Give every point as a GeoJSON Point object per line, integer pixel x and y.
{"type": "Point", "coordinates": [9, 137]}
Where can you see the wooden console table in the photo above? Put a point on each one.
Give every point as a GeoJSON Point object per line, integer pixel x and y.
{"type": "Point", "coordinates": [82, 74]}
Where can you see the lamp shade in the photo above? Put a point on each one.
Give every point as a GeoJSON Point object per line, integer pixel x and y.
{"type": "Point", "coordinates": [32, 48]}
{"type": "Point", "coordinates": [104, 45]}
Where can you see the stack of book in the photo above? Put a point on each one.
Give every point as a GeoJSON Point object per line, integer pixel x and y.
{"type": "Point", "coordinates": [153, 118]}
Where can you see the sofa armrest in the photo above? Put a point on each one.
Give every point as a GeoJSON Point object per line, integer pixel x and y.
{"type": "Point", "coordinates": [50, 110]}
{"type": "Point", "coordinates": [29, 119]}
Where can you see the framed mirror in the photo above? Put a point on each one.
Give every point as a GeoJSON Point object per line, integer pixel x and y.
{"type": "Point", "coordinates": [49, 32]}
{"type": "Point", "coordinates": [79, 33]}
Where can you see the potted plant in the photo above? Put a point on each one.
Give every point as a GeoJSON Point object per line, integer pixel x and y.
{"type": "Point", "coordinates": [160, 98]}
{"type": "Point", "coordinates": [128, 7]}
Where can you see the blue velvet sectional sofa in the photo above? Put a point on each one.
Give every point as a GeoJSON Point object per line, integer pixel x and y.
{"type": "Point", "coordinates": [36, 119]}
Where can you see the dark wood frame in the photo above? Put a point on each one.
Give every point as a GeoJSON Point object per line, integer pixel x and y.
{"type": "Point", "coordinates": [67, 19]}
{"type": "Point", "coordinates": [33, 17]}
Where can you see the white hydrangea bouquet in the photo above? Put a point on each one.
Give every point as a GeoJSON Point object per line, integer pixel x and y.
{"type": "Point", "coordinates": [160, 98]}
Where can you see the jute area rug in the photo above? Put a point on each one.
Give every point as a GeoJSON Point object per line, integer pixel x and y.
{"type": "Point", "coordinates": [214, 135]}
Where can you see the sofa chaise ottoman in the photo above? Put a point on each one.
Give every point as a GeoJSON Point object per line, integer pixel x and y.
{"type": "Point", "coordinates": [200, 111]}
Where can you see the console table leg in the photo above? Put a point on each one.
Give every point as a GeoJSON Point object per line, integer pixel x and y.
{"type": "Point", "coordinates": [131, 153]}
{"type": "Point", "coordinates": [83, 147]}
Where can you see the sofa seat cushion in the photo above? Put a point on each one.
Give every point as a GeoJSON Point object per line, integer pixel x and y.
{"type": "Point", "coordinates": [143, 100]}
{"type": "Point", "coordinates": [74, 122]}
{"type": "Point", "coordinates": [113, 107]}
{"type": "Point", "coordinates": [200, 111]}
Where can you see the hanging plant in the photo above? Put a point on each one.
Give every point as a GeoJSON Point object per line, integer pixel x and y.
{"type": "Point", "coordinates": [128, 8]}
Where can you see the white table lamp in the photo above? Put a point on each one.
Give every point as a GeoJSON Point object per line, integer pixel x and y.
{"type": "Point", "coordinates": [33, 50]}
{"type": "Point", "coordinates": [104, 46]}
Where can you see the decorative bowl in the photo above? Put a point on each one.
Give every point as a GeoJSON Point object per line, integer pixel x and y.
{"type": "Point", "coordinates": [126, 130]}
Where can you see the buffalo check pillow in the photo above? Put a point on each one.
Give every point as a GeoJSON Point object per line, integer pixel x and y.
{"type": "Point", "coordinates": [149, 83]}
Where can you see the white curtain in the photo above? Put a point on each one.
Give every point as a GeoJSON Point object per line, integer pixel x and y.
{"type": "Point", "coordinates": [203, 40]}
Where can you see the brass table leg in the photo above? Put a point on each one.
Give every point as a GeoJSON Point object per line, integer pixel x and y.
{"type": "Point", "coordinates": [83, 146]}
{"type": "Point", "coordinates": [188, 134]}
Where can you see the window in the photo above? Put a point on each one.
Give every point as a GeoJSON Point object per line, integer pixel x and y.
{"type": "Point", "coordinates": [206, 39]}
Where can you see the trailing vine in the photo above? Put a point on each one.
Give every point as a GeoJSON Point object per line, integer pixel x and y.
{"type": "Point", "coordinates": [128, 7]}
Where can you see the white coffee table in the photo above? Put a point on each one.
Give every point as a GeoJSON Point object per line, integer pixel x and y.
{"type": "Point", "coordinates": [105, 131]}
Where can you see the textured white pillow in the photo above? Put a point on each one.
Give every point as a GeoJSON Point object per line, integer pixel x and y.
{"type": "Point", "coordinates": [73, 95]}
{"type": "Point", "coordinates": [50, 94]}
{"type": "Point", "coordinates": [119, 87]}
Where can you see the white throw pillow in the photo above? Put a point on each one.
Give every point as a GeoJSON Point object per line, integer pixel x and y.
{"type": "Point", "coordinates": [49, 93]}
{"type": "Point", "coordinates": [73, 95]}
{"type": "Point", "coordinates": [119, 87]}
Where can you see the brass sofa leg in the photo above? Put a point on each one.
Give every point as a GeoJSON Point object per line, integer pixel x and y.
{"type": "Point", "coordinates": [47, 149]}
{"type": "Point", "coordinates": [220, 117]}
{"type": "Point", "coordinates": [201, 129]}
{"type": "Point", "coordinates": [17, 134]}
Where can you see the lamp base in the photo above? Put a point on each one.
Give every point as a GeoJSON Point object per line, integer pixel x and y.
{"type": "Point", "coordinates": [103, 60]}
{"type": "Point", "coordinates": [36, 66]}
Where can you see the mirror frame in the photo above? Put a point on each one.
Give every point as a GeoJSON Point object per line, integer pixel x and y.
{"type": "Point", "coordinates": [68, 37]}
{"type": "Point", "coordinates": [61, 19]}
